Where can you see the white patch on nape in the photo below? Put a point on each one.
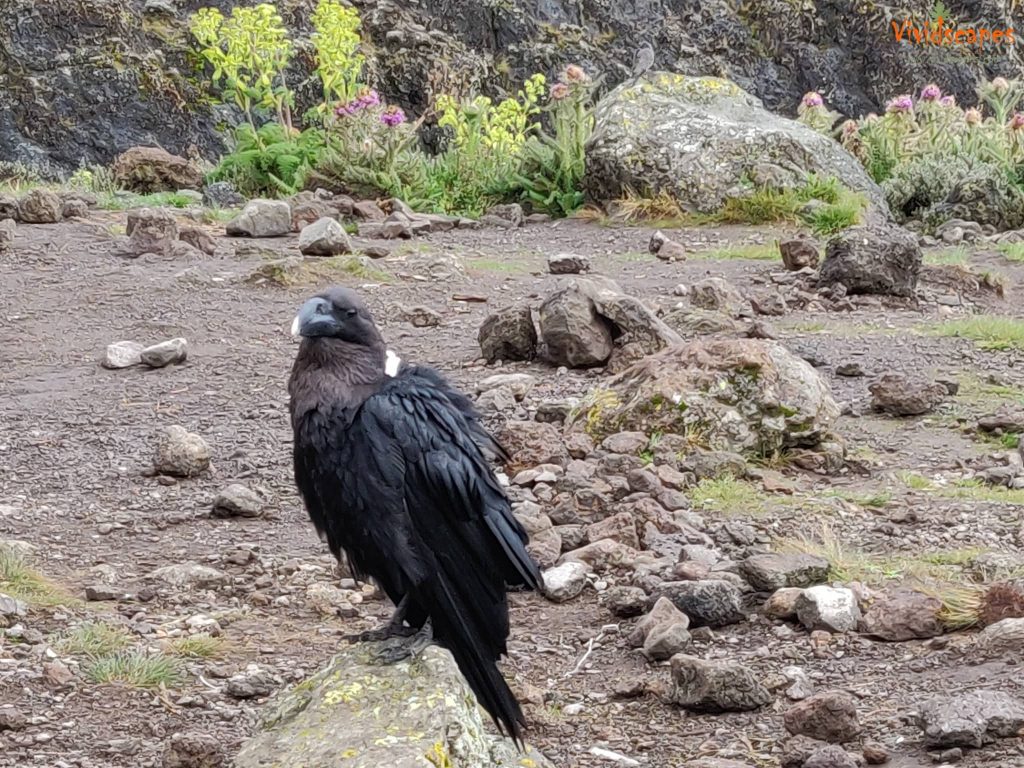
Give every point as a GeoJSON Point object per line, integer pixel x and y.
{"type": "Point", "coordinates": [391, 363]}
{"type": "Point", "coordinates": [295, 326]}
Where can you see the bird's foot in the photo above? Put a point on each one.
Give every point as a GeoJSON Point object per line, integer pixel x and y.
{"type": "Point", "coordinates": [401, 648]}
{"type": "Point", "coordinates": [387, 632]}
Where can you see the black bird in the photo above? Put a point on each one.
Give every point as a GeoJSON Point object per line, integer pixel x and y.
{"type": "Point", "coordinates": [390, 461]}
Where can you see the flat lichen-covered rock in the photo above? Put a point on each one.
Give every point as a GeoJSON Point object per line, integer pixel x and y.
{"type": "Point", "coordinates": [742, 395]}
{"type": "Point", "coordinates": [700, 139]}
{"type": "Point", "coordinates": [358, 714]}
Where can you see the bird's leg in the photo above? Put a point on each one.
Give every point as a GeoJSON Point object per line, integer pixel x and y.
{"type": "Point", "coordinates": [394, 628]}
{"type": "Point", "coordinates": [400, 649]}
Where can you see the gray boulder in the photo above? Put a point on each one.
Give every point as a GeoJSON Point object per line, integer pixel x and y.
{"type": "Point", "coordinates": [262, 218]}
{"type": "Point", "coordinates": [574, 334]}
{"type": "Point", "coordinates": [700, 138]}
{"type": "Point", "coordinates": [324, 237]}
{"type": "Point", "coordinates": [970, 719]}
{"type": "Point", "coordinates": [878, 259]}
{"type": "Point", "coordinates": [356, 714]}
{"type": "Point", "coordinates": [508, 334]}
{"type": "Point", "coordinates": [40, 206]}
{"type": "Point", "coordinates": [151, 230]}
{"type": "Point", "coordinates": [713, 687]}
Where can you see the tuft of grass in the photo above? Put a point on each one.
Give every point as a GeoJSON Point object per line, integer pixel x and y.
{"type": "Point", "coordinates": [985, 392]}
{"type": "Point", "coordinates": [22, 582]}
{"type": "Point", "coordinates": [955, 256]}
{"type": "Point", "coordinates": [961, 603]}
{"type": "Point", "coordinates": [136, 669]}
{"type": "Point", "coordinates": [727, 494]}
{"type": "Point", "coordinates": [1010, 440]}
{"type": "Point", "coordinates": [123, 201]}
{"type": "Point", "coordinates": [1012, 251]}
{"type": "Point", "coordinates": [754, 252]}
{"type": "Point", "coordinates": [218, 215]}
{"type": "Point", "coordinates": [635, 208]}
{"type": "Point", "coordinates": [762, 206]}
{"type": "Point", "coordinates": [832, 218]}
{"type": "Point", "coordinates": [989, 331]}
{"type": "Point", "coordinates": [94, 639]}
{"type": "Point", "coordinates": [846, 563]}
{"type": "Point", "coordinates": [201, 646]}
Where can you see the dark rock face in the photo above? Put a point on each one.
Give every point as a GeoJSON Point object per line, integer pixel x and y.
{"type": "Point", "coordinates": [91, 79]}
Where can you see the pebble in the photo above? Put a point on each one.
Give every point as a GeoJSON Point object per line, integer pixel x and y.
{"type": "Point", "coordinates": [123, 354]}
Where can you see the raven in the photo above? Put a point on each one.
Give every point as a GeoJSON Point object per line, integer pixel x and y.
{"type": "Point", "coordinates": [390, 462]}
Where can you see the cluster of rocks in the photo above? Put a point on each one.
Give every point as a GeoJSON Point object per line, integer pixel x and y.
{"type": "Point", "coordinates": [156, 231]}
{"type": "Point", "coordinates": [126, 354]}
{"type": "Point", "coordinates": [44, 206]}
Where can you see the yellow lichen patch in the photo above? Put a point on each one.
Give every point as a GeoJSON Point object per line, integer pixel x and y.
{"type": "Point", "coordinates": [438, 756]}
{"type": "Point", "coordinates": [343, 693]}
{"type": "Point", "coordinates": [527, 762]}
{"type": "Point", "coordinates": [349, 753]}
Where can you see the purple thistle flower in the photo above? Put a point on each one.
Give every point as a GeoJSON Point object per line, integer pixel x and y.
{"type": "Point", "coordinates": [904, 103]}
{"type": "Point", "coordinates": [948, 101]}
{"type": "Point", "coordinates": [559, 91]}
{"type": "Point", "coordinates": [931, 92]}
{"type": "Point", "coordinates": [813, 99]}
{"type": "Point", "coordinates": [392, 116]}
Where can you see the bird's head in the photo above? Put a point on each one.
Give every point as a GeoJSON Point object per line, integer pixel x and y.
{"type": "Point", "coordinates": [337, 313]}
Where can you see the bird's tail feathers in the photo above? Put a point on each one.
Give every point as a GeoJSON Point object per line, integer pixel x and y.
{"type": "Point", "coordinates": [461, 627]}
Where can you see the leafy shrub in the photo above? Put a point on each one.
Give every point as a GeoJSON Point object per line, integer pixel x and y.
{"type": "Point", "coordinates": [249, 51]}
{"type": "Point", "coordinates": [339, 62]}
{"type": "Point", "coordinates": [550, 177]}
{"type": "Point", "coordinates": [921, 182]}
{"type": "Point", "coordinates": [269, 160]}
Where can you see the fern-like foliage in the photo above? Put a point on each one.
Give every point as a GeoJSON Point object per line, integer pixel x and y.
{"type": "Point", "coordinates": [270, 160]}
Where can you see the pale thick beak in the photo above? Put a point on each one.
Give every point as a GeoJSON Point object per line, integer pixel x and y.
{"type": "Point", "coordinates": [295, 326]}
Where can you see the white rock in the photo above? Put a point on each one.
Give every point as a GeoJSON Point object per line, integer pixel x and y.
{"type": "Point", "coordinates": [123, 354]}
{"type": "Point", "coordinates": [165, 353]}
{"type": "Point", "coordinates": [262, 218]}
{"type": "Point", "coordinates": [324, 237]}
{"type": "Point", "coordinates": [833, 609]}
{"type": "Point", "coordinates": [565, 581]}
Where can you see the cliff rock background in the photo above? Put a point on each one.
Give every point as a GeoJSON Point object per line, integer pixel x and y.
{"type": "Point", "coordinates": [83, 80]}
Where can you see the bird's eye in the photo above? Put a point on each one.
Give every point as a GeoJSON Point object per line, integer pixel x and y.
{"type": "Point", "coordinates": [351, 313]}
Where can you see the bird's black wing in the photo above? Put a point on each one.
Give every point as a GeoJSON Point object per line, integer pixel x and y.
{"type": "Point", "coordinates": [449, 528]}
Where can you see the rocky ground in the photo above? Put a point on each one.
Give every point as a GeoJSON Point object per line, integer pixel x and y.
{"type": "Point", "coordinates": [230, 587]}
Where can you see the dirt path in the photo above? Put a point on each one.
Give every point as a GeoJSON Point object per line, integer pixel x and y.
{"type": "Point", "coordinates": [76, 441]}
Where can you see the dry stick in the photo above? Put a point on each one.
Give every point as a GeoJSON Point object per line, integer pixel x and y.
{"type": "Point", "coordinates": [586, 655]}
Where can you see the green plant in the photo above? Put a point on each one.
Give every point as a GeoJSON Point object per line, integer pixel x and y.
{"type": "Point", "coordinates": [249, 51]}
{"type": "Point", "coordinates": [94, 638]}
{"type": "Point", "coordinates": [136, 669]}
{"type": "Point", "coordinates": [339, 62]}
{"type": "Point", "coordinates": [200, 646]}
{"type": "Point", "coordinates": [1012, 251]}
{"type": "Point", "coordinates": [990, 331]}
{"type": "Point", "coordinates": [551, 175]}
{"type": "Point", "coordinates": [269, 160]}
{"type": "Point", "coordinates": [94, 178]}
{"type": "Point", "coordinates": [20, 581]}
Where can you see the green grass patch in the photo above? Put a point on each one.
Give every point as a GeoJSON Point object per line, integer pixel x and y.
{"type": "Point", "coordinates": [1012, 251]}
{"type": "Point", "coordinates": [123, 202]}
{"type": "Point", "coordinates": [496, 265]}
{"type": "Point", "coordinates": [876, 500]}
{"type": "Point", "coordinates": [728, 495]}
{"type": "Point", "coordinates": [136, 669]}
{"type": "Point", "coordinates": [22, 582]}
{"type": "Point", "coordinates": [956, 256]}
{"type": "Point", "coordinates": [201, 646]}
{"type": "Point", "coordinates": [965, 489]}
{"type": "Point", "coordinates": [984, 392]}
{"type": "Point", "coordinates": [753, 252]}
{"type": "Point", "coordinates": [94, 639]}
{"type": "Point", "coordinates": [988, 331]}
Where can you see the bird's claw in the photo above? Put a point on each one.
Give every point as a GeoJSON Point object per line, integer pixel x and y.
{"type": "Point", "coordinates": [401, 648]}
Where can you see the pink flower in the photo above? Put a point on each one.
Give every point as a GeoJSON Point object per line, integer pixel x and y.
{"type": "Point", "coordinates": [850, 127]}
{"type": "Point", "coordinates": [948, 100]}
{"type": "Point", "coordinates": [1017, 121]}
{"type": "Point", "coordinates": [559, 91]}
{"type": "Point", "coordinates": [972, 116]}
{"type": "Point", "coordinates": [902, 103]}
{"type": "Point", "coordinates": [575, 74]}
{"type": "Point", "coordinates": [812, 99]}
{"type": "Point", "coordinates": [931, 92]}
{"type": "Point", "coordinates": [392, 116]}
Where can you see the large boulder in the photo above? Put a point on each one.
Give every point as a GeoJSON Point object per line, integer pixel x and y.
{"type": "Point", "coordinates": [740, 395]}
{"type": "Point", "coordinates": [880, 259]}
{"type": "Point", "coordinates": [355, 713]}
{"type": "Point", "coordinates": [261, 218]}
{"type": "Point", "coordinates": [152, 169]}
{"type": "Point", "coordinates": [699, 139]}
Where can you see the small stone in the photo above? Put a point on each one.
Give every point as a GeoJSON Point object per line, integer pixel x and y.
{"type": "Point", "coordinates": [568, 264]}
{"type": "Point", "coordinates": [901, 396]}
{"type": "Point", "coordinates": [970, 719]}
{"type": "Point", "coordinates": [422, 317]}
{"type": "Point", "coordinates": [782, 604]}
{"type": "Point", "coordinates": [181, 453]}
{"type": "Point", "coordinates": [123, 354]}
{"type": "Point", "coordinates": [328, 600]}
{"type": "Point", "coordinates": [714, 687]}
{"type": "Point", "coordinates": [237, 501]}
{"type": "Point", "coordinates": [830, 757]}
{"type": "Point", "coordinates": [773, 571]}
{"type": "Point", "coordinates": [833, 609]}
{"type": "Point", "coordinates": [40, 206]}
{"type": "Point", "coordinates": [566, 581]}
{"type": "Point", "coordinates": [510, 213]}
{"type": "Point", "coordinates": [875, 753]}
{"type": "Point", "coordinates": [799, 253]}
{"type": "Point", "coordinates": [102, 592]}
{"type": "Point", "coordinates": [712, 602]}
{"type": "Point", "coordinates": [251, 684]}
{"type": "Point", "coordinates": [666, 249]}
{"type": "Point", "coordinates": [830, 716]}
{"type": "Point", "coordinates": [947, 756]}
{"type": "Point", "coordinates": [663, 632]}
{"type": "Point", "coordinates": [262, 218]}
{"type": "Point", "coordinates": [12, 720]}
{"type": "Point", "coordinates": [165, 353]}
{"type": "Point", "coordinates": [222, 194]}
{"type": "Point", "coordinates": [324, 237]}
{"type": "Point", "coordinates": [75, 209]}
{"type": "Point", "coordinates": [902, 615]}
{"type": "Point", "coordinates": [626, 601]}
{"type": "Point", "coordinates": [194, 750]}
{"type": "Point", "coordinates": [851, 370]}
{"type": "Point", "coordinates": [715, 293]}
{"type": "Point", "coordinates": [199, 239]}
{"type": "Point", "coordinates": [1003, 637]}
{"type": "Point", "coordinates": [151, 230]}
{"type": "Point", "coordinates": [190, 574]}
{"type": "Point", "coordinates": [520, 384]}
{"type": "Point", "coordinates": [509, 334]}
{"type": "Point", "coordinates": [57, 673]}
{"type": "Point", "coordinates": [10, 609]}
